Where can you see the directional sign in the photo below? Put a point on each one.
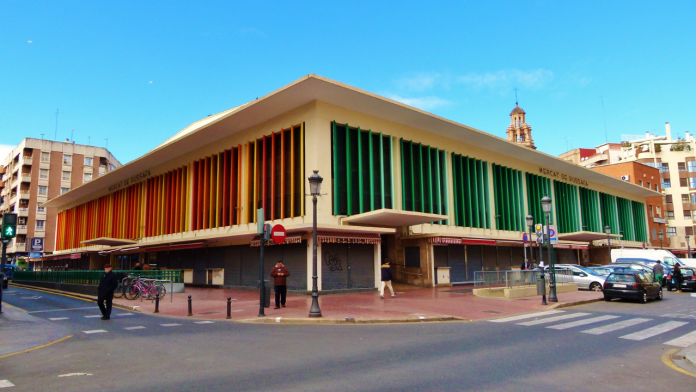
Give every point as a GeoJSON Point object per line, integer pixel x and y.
{"type": "Point", "coordinates": [278, 234]}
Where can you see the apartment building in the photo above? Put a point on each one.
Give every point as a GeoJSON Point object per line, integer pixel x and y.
{"type": "Point", "coordinates": [38, 170]}
{"type": "Point", "coordinates": [676, 161]}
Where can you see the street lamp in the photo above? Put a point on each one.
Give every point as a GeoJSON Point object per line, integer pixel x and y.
{"type": "Point", "coordinates": [314, 190]}
{"type": "Point", "coordinates": [546, 207]}
{"type": "Point", "coordinates": [530, 224]}
{"type": "Point", "coordinates": [662, 236]}
{"type": "Point", "coordinates": [607, 230]}
{"type": "Point", "coordinates": [688, 247]}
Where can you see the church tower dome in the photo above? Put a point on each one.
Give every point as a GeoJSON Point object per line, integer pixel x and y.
{"type": "Point", "coordinates": [519, 131]}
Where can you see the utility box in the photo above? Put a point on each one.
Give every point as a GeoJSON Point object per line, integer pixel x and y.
{"type": "Point", "coordinates": [541, 284]}
{"type": "Point", "coordinates": [442, 275]}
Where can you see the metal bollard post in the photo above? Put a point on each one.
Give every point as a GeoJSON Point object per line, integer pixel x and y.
{"type": "Point", "coordinates": [157, 303]}
{"type": "Point", "coordinates": [229, 308]}
{"type": "Point", "coordinates": [189, 303]}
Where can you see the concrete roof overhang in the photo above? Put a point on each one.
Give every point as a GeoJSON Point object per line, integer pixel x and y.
{"type": "Point", "coordinates": [586, 236]}
{"type": "Point", "coordinates": [109, 241]}
{"type": "Point", "coordinates": [316, 88]}
{"type": "Point", "coordinates": [393, 218]}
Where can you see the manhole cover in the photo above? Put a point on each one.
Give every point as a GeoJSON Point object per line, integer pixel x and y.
{"type": "Point", "coordinates": [208, 312]}
{"type": "Point", "coordinates": [491, 311]}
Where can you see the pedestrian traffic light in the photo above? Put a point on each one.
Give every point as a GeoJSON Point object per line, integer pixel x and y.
{"type": "Point", "coordinates": [9, 225]}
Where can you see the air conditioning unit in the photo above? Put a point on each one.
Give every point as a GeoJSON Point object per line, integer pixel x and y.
{"type": "Point", "coordinates": [626, 178]}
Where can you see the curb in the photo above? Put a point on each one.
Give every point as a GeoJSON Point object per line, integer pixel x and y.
{"type": "Point", "coordinates": [74, 295]}
{"type": "Point", "coordinates": [690, 359]}
{"type": "Point", "coordinates": [575, 303]}
{"type": "Point", "coordinates": [349, 320]}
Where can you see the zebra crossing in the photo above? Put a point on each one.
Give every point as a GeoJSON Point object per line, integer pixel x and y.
{"type": "Point", "coordinates": [561, 320]}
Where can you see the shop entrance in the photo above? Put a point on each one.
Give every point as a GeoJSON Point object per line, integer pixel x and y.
{"type": "Point", "coordinates": [347, 266]}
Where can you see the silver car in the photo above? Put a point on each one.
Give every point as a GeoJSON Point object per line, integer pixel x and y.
{"type": "Point", "coordinates": [586, 278]}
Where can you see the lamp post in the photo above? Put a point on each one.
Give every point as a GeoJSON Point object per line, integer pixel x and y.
{"type": "Point", "coordinates": [530, 223]}
{"type": "Point", "coordinates": [662, 236]}
{"type": "Point", "coordinates": [546, 207]}
{"type": "Point", "coordinates": [315, 190]}
{"type": "Point", "coordinates": [607, 230]}
{"type": "Point", "coordinates": [688, 247]}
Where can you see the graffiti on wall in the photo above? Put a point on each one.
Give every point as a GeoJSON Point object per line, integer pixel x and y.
{"type": "Point", "coordinates": [333, 262]}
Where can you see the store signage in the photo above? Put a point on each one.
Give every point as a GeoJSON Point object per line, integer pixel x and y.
{"type": "Point", "coordinates": [659, 220]}
{"type": "Point", "coordinates": [128, 181]}
{"type": "Point", "coordinates": [36, 245]}
{"type": "Point", "coordinates": [561, 176]}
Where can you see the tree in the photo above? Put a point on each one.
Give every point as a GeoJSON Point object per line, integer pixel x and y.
{"type": "Point", "coordinates": [680, 145]}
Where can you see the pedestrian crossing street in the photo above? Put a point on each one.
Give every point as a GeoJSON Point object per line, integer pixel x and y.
{"type": "Point", "coordinates": [647, 327]}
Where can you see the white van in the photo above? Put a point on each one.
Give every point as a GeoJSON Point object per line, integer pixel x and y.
{"type": "Point", "coordinates": [650, 255]}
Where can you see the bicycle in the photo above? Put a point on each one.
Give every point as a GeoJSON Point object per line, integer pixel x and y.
{"type": "Point", "coordinates": [145, 287]}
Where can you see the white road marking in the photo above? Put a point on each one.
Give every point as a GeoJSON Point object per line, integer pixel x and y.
{"type": "Point", "coordinates": [582, 322]}
{"type": "Point", "coordinates": [654, 331]}
{"type": "Point", "coordinates": [683, 341]}
{"type": "Point", "coordinates": [170, 325]}
{"type": "Point", "coordinates": [526, 316]}
{"type": "Point", "coordinates": [554, 319]}
{"type": "Point", "coordinates": [94, 331]}
{"type": "Point", "coordinates": [204, 322]}
{"type": "Point", "coordinates": [60, 310]}
{"type": "Point", "coordinates": [124, 314]}
{"type": "Point", "coordinates": [75, 374]}
{"type": "Point", "coordinates": [237, 310]}
{"type": "Point", "coordinates": [57, 318]}
{"type": "Point", "coordinates": [34, 297]}
{"type": "Point", "coordinates": [132, 328]}
{"type": "Point", "coordinates": [6, 384]}
{"type": "Point", "coordinates": [616, 326]}
{"type": "Point", "coordinates": [94, 315]}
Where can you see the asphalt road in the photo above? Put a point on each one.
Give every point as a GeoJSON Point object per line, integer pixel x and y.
{"type": "Point", "coordinates": [188, 355]}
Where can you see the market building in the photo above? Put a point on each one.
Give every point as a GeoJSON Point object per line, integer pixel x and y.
{"type": "Point", "coordinates": [399, 183]}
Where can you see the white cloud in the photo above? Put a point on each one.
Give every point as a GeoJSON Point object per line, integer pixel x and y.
{"type": "Point", "coordinates": [150, 82]}
{"type": "Point", "coordinates": [424, 103]}
{"type": "Point", "coordinates": [30, 41]}
{"type": "Point", "coordinates": [421, 81]}
{"type": "Point", "coordinates": [5, 150]}
{"type": "Point", "coordinates": [532, 79]}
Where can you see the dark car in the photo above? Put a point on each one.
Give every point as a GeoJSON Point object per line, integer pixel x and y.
{"type": "Point", "coordinates": [632, 285]}
{"type": "Point", "coordinates": [688, 280]}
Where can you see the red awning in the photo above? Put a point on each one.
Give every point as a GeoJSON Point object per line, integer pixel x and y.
{"type": "Point", "coordinates": [460, 241]}
{"type": "Point", "coordinates": [680, 251]}
{"type": "Point", "coordinates": [288, 240]}
{"type": "Point", "coordinates": [157, 248]}
{"type": "Point", "coordinates": [347, 237]}
{"type": "Point", "coordinates": [571, 246]}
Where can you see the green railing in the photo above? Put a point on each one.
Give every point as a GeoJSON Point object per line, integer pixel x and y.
{"type": "Point", "coordinates": [92, 277]}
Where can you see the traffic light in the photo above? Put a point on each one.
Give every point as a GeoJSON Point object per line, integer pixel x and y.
{"type": "Point", "coordinates": [9, 225]}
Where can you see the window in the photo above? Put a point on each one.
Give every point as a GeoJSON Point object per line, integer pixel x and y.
{"type": "Point", "coordinates": [656, 188]}
{"type": "Point", "coordinates": [689, 230]}
{"type": "Point", "coordinates": [664, 168]}
{"type": "Point", "coordinates": [671, 232]}
{"type": "Point", "coordinates": [66, 176]}
{"type": "Point", "coordinates": [67, 159]}
{"type": "Point", "coordinates": [46, 157]}
{"type": "Point", "coordinates": [670, 214]}
{"type": "Point", "coordinates": [87, 177]}
{"type": "Point", "coordinates": [640, 182]}
{"type": "Point", "coordinates": [668, 199]}
{"type": "Point", "coordinates": [63, 190]}
{"type": "Point", "coordinates": [687, 214]}
{"type": "Point", "coordinates": [43, 190]}
{"type": "Point", "coordinates": [40, 224]}
{"type": "Point", "coordinates": [693, 198]}
{"type": "Point", "coordinates": [650, 211]}
{"type": "Point", "coordinates": [43, 173]}
{"type": "Point", "coordinates": [682, 182]}
{"type": "Point", "coordinates": [649, 186]}
{"type": "Point", "coordinates": [649, 164]}
{"type": "Point", "coordinates": [681, 166]}
{"type": "Point", "coordinates": [692, 182]}
{"type": "Point", "coordinates": [41, 210]}
{"type": "Point", "coordinates": [666, 183]}
{"type": "Point", "coordinates": [685, 199]}
{"type": "Point", "coordinates": [654, 233]}
{"type": "Point", "coordinates": [658, 211]}
{"type": "Point", "coordinates": [691, 166]}
{"type": "Point", "coordinates": [88, 161]}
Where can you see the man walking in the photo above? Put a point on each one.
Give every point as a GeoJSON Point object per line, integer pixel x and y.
{"type": "Point", "coordinates": [105, 292]}
{"type": "Point", "coordinates": [280, 286]}
{"type": "Point", "coordinates": [659, 272]}
{"type": "Point", "coordinates": [525, 265]}
{"type": "Point", "coordinates": [386, 279]}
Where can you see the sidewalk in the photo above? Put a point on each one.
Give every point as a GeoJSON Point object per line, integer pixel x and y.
{"type": "Point", "coordinates": [22, 331]}
{"type": "Point", "coordinates": [410, 304]}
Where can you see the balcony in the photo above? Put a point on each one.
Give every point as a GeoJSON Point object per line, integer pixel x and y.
{"type": "Point", "coordinates": [18, 247]}
{"type": "Point", "coordinates": [24, 195]}
{"type": "Point", "coordinates": [25, 177]}
{"type": "Point", "coordinates": [25, 160]}
{"type": "Point", "coordinates": [21, 229]}
{"type": "Point", "coordinates": [23, 211]}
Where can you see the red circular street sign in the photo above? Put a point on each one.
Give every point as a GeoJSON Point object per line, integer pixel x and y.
{"type": "Point", "coordinates": [278, 234]}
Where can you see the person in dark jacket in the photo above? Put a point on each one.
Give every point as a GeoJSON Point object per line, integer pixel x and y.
{"type": "Point", "coordinates": [280, 274]}
{"type": "Point", "coordinates": [526, 265]}
{"type": "Point", "coordinates": [677, 275]}
{"type": "Point", "coordinates": [137, 267]}
{"type": "Point", "coordinates": [386, 279]}
{"type": "Point", "coordinates": [105, 292]}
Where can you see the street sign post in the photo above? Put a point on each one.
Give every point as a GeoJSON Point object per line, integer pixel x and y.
{"type": "Point", "coordinates": [261, 226]}
{"type": "Point", "coordinates": [278, 234]}
{"type": "Point", "coordinates": [553, 235]}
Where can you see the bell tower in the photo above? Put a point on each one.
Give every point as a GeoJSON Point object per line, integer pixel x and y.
{"type": "Point", "coordinates": [519, 131]}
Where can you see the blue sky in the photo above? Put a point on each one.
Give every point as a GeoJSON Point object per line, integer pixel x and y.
{"type": "Point", "coordinates": [137, 72]}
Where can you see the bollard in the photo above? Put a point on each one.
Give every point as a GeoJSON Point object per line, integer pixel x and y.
{"type": "Point", "coordinates": [190, 311]}
{"type": "Point", "coordinates": [229, 308]}
{"type": "Point", "coordinates": [157, 303]}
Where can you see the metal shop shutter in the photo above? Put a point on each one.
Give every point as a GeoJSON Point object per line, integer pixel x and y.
{"type": "Point", "coordinates": [517, 256]}
{"type": "Point", "coordinates": [250, 266]}
{"type": "Point", "coordinates": [457, 263]}
{"type": "Point", "coordinates": [474, 261]}
{"type": "Point", "coordinates": [294, 256]}
{"type": "Point", "coordinates": [334, 266]}
{"type": "Point", "coordinates": [489, 257]}
{"type": "Point", "coordinates": [233, 265]}
{"type": "Point", "coordinates": [440, 255]}
{"type": "Point", "coordinates": [361, 266]}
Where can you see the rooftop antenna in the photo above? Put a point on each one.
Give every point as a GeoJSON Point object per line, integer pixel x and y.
{"type": "Point", "coordinates": [55, 136]}
{"type": "Point", "coordinates": [42, 135]}
{"type": "Point", "coordinates": [72, 139]}
{"type": "Point", "coordinates": [516, 104]}
{"type": "Point", "coordinates": [606, 137]}
{"type": "Point", "coordinates": [89, 140]}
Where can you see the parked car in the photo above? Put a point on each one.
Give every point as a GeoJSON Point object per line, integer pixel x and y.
{"type": "Point", "coordinates": [651, 255]}
{"type": "Point", "coordinates": [631, 285]}
{"type": "Point", "coordinates": [586, 278]}
{"type": "Point", "coordinates": [8, 273]}
{"type": "Point", "coordinates": [688, 280]}
{"type": "Point", "coordinates": [603, 270]}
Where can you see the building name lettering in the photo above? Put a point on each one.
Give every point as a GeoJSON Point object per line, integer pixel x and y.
{"type": "Point", "coordinates": [561, 176]}
{"type": "Point", "coordinates": [128, 181]}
